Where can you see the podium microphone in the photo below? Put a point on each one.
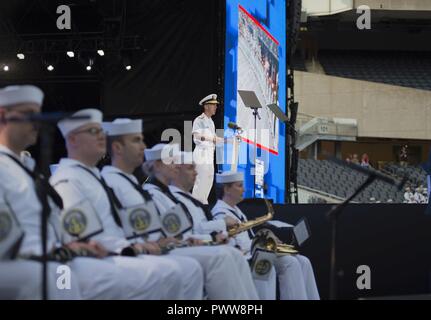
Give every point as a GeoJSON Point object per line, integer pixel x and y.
{"type": "Point", "coordinates": [234, 126]}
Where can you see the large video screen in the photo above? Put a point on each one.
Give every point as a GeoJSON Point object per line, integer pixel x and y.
{"type": "Point", "coordinates": [258, 70]}
{"type": "Point", "coordinates": [256, 61]}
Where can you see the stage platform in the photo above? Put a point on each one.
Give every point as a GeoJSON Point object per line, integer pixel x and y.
{"type": "Point", "coordinates": [394, 240]}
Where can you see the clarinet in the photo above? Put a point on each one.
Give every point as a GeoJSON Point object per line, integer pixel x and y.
{"type": "Point", "coordinates": [62, 255]}
{"type": "Point", "coordinates": [133, 251]}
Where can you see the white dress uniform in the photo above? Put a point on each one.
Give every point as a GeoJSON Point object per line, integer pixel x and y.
{"type": "Point", "coordinates": [146, 277]}
{"type": "Point", "coordinates": [203, 153]}
{"type": "Point", "coordinates": [22, 280]}
{"type": "Point", "coordinates": [191, 270]}
{"type": "Point", "coordinates": [201, 225]}
{"type": "Point", "coordinates": [295, 272]}
{"type": "Point", "coordinates": [227, 275]}
{"type": "Point", "coordinates": [222, 277]}
{"type": "Point", "coordinates": [265, 289]}
{"type": "Point", "coordinates": [90, 278]}
{"type": "Point", "coordinates": [17, 188]}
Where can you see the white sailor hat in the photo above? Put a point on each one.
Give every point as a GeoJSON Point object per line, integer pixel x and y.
{"type": "Point", "coordinates": [66, 126]}
{"type": "Point", "coordinates": [121, 126]}
{"type": "Point", "coordinates": [229, 176]}
{"type": "Point", "coordinates": [13, 95]}
{"type": "Point", "coordinates": [162, 151]}
{"type": "Point", "coordinates": [184, 157]}
{"type": "Point", "coordinates": [209, 99]}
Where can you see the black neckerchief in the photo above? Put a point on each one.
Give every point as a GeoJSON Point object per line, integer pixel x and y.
{"type": "Point", "coordinates": [42, 185]}
{"type": "Point", "coordinates": [165, 189]}
{"type": "Point", "coordinates": [158, 183]}
{"type": "Point", "coordinates": [114, 203]}
{"type": "Point", "coordinates": [198, 204]}
{"type": "Point", "coordinates": [144, 193]}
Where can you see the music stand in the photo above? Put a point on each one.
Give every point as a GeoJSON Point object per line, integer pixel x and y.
{"type": "Point", "coordinates": [280, 115]}
{"type": "Point", "coordinates": [290, 161]}
{"type": "Point", "coordinates": [251, 101]}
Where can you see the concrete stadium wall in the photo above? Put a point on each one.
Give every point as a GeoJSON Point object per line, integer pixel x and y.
{"type": "Point", "coordinates": [395, 4]}
{"type": "Point", "coordinates": [382, 111]}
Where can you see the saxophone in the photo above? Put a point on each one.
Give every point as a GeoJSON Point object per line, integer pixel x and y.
{"type": "Point", "coordinates": [253, 223]}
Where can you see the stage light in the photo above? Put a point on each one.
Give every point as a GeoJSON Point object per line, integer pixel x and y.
{"type": "Point", "coordinates": [6, 68]}
{"type": "Point", "coordinates": [101, 53]}
{"type": "Point", "coordinates": [70, 54]}
{"type": "Point", "coordinates": [20, 56]}
{"type": "Point", "coordinates": [127, 61]}
{"type": "Point", "coordinates": [89, 64]}
{"type": "Point", "coordinates": [50, 61]}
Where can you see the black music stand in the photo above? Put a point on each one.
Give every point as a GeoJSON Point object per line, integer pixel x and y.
{"type": "Point", "coordinates": [251, 101]}
{"type": "Point", "coordinates": [46, 133]}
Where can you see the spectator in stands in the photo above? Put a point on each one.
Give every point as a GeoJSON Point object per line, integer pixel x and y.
{"type": "Point", "coordinates": [349, 158]}
{"type": "Point", "coordinates": [425, 195]}
{"type": "Point", "coordinates": [418, 196]}
{"type": "Point", "coordinates": [365, 161]}
{"type": "Point", "coordinates": [355, 159]}
{"type": "Point", "coordinates": [404, 155]}
{"type": "Point", "coordinates": [408, 196]}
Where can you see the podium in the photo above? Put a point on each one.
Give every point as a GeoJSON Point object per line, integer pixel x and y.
{"type": "Point", "coordinates": [236, 144]}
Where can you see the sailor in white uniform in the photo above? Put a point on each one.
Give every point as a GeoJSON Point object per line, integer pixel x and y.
{"type": "Point", "coordinates": [77, 178]}
{"type": "Point", "coordinates": [205, 138]}
{"type": "Point", "coordinates": [126, 149]}
{"type": "Point", "coordinates": [181, 185]}
{"type": "Point", "coordinates": [205, 225]}
{"type": "Point", "coordinates": [226, 276]}
{"type": "Point", "coordinates": [295, 273]}
{"type": "Point", "coordinates": [22, 278]}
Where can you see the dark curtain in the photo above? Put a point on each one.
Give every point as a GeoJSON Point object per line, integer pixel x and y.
{"type": "Point", "coordinates": [180, 62]}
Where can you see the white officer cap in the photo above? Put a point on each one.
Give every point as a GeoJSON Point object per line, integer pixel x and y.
{"type": "Point", "coordinates": [13, 95]}
{"type": "Point", "coordinates": [184, 157]}
{"type": "Point", "coordinates": [229, 176]}
{"type": "Point", "coordinates": [162, 151]}
{"type": "Point", "coordinates": [209, 99]}
{"type": "Point", "coordinates": [120, 127]}
{"type": "Point", "coordinates": [66, 126]}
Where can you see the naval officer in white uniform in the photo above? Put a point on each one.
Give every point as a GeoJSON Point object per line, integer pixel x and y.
{"type": "Point", "coordinates": [205, 138]}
